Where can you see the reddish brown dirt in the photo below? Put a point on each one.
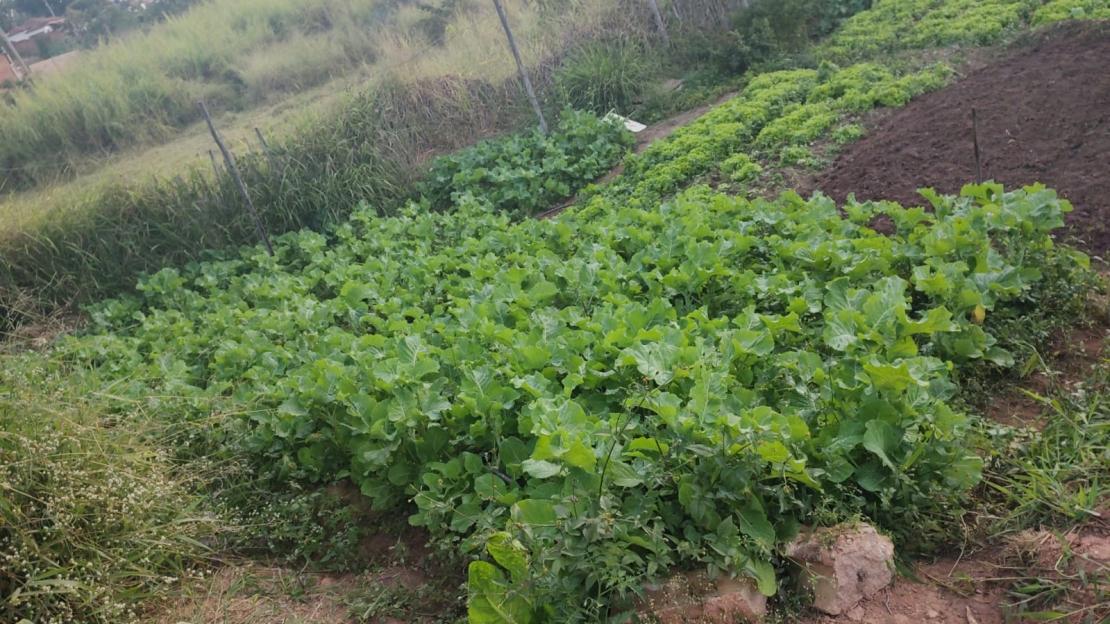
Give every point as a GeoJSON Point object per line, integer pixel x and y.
{"type": "Point", "coordinates": [976, 589]}
{"type": "Point", "coordinates": [1069, 358]}
{"type": "Point", "coordinates": [1043, 116]}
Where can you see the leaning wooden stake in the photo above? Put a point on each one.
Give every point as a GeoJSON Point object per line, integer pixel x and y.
{"type": "Point", "coordinates": [659, 21]}
{"type": "Point", "coordinates": [975, 140]}
{"type": "Point", "coordinates": [215, 165]}
{"type": "Point", "coordinates": [233, 169]}
{"type": "Point", "coordinates": [520, 65]}
{"type": "Point", "coordinates": [266, 149]}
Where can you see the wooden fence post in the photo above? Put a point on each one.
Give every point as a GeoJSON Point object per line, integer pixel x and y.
{"type": "Point", "coordinates": [659, 21]}
{"type": "Point", "coordinates": [266, 149]}
{"type": "Point", "coordinates": [14, 55]}
{"type": "Point", "coordinates": [520, 65]}
{"type": "Point", "coordinates": [233, 169]}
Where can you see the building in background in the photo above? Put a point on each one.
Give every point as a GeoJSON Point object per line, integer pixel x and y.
{"type": "Point", "coordinates": [36, 34]}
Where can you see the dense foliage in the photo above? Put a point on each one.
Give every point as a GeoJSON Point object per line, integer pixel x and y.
{"type": "Point", "coordinates": [579, 405]}
{"type": "Point", "coordinates": [524, 173]}
{"type": "Point", "coordinates": [608, 397]}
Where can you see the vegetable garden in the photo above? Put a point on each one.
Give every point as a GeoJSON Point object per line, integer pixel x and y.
{"type": "Point", "coordinates": [666, 376]}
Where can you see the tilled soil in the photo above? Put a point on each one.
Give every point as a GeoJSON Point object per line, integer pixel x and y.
{"type": "Point", "coordinates": [1043, 116]}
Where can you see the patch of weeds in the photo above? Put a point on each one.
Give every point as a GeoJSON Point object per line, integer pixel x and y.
{"type": "Point", "coordinates": [1055, 477]}
{"type": "Point", "coordinates": [1058, 579]}
{"type": "Point", "coordinates": [1069, 294]}
{"type": "Point", "coordinates": [93, 516]}
{"type": "Point", "coordinates": [428, 603]}
{"type": "Point", "coordinates": [604, 76]}
{"type": "Point", "coordinates": [303, 527]}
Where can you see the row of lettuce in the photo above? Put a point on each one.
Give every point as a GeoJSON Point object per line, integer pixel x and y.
{"type": "Point", "coordinates": [779, 116]}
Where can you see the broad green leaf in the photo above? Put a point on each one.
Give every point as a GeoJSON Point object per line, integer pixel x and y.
{"type": "Point", "coordinates": [490, 486]}
{"type": "Point", "coordinates": [883, 439]}
{"type": "Point", "coordinates": [580, 456]}
{"type": "Point", "coordinates": [764, 574]}
{"type": "Point", "coordinates": [622, 475]}
{"type": "Point", "coordinates": [491, 599]}
{"type": "Point", "coordinates": [535, 512]}
{"type": "Point", "coordinates": [774, 452]}
{"type": "Point", "coordinates": [509, 554]}
{"type": "Point", "coordinates": [540, 468]}
{"type": "Point", "coordinates": [965, 472]}
{"type": "Point", "coordinates": [655, 360]}
{"type": "Point", "coordinates": [889, 377]}
{"type": "Point", "coordinates": [754, 524]}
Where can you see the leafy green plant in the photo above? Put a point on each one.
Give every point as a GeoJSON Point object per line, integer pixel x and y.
{"type": "Point", "coordinates": [894, 26]}
{"type": "Point", "coordinates": [596, 399]}
{"type": "Point", "coordinates": [524, 173]}
{"type": "Point", "coordinates": [1057, 10]}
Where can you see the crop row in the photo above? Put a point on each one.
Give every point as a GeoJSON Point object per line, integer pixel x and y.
{"type": "Point", "coordinates": [651, 381]}
{"type": "Point", "coordinates": [776, 116]}
{"type": "Point", "coordinates": [656, 386]}
{"type": "Point", "coordinates": [894, 26]}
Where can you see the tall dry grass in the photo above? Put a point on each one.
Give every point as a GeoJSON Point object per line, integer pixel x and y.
{"type": "Point", "coordinates": [141, 89]}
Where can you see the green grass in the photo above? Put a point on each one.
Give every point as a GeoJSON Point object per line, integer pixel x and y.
{"type": "Point", "coordinates": [141, 89]}
{"type": "Point", "coordinates": [1043, 483]}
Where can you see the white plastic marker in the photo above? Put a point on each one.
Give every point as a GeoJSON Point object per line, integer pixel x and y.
{"type": "Point", "coordinates": [634, 127]}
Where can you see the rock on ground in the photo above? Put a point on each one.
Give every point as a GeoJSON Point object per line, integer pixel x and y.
{"type": "Point", "coordinates": [843, 565]}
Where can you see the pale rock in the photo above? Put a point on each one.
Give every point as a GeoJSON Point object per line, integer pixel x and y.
{"type": "Point", "coordinates": [843, 564]}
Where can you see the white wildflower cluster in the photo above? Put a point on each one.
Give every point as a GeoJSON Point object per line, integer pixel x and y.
{"type": "Point", "coordinates": [90, 520]}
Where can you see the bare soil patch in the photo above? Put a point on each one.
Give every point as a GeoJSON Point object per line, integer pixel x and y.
{"type": "Point", "coordinates": [1043, 116]}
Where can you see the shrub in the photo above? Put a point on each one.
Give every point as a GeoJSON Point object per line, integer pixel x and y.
{"type": "Point", "coordinates": [524, 173]}
{"type": "Point", "coordinates": [771, 27]}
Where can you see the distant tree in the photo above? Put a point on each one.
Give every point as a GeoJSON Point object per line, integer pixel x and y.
{"type": "Point", "coordinates": [438, 15]}
{"type": "Point", "coordinates": [92, 21]}
{"type": "Point", "coordinates": [38, 8]}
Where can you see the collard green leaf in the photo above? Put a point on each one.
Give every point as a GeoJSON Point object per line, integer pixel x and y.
{"type": "Point", "coordinates": [535, 512]}
{"type": "Point", "coordinates": [492, 600]}
{"type": "Point", "coordinates": [754, 524]}
{"type": "Point", "coordinates": [540, 468]}
{"type": "Point", "coordinates": [656, 360]}
{"type": "Point", "coordinates": [883, 439]}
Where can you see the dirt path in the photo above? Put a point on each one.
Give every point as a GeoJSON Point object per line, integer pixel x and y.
{"type": "Point", "coordinates": [1043, 116]}
{"type": "Point", "coordinates": [644, 139]}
